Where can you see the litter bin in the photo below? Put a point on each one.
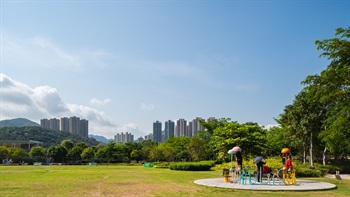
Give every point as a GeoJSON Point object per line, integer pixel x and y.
{"type": "Point", "coordinates": [148, 165]}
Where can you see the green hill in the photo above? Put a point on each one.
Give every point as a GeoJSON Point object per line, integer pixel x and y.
{"type": "Point", "coordinates": [17, 122]}
{"type": "Point", "coordinates": [49, 137]}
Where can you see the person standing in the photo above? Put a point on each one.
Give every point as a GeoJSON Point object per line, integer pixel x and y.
{"type": "Point", "coordinates": [239, 160]}
{"type": "Point", "coordinates": [260, 166]}
{"type": "Point", "coordinates": [289, 164]}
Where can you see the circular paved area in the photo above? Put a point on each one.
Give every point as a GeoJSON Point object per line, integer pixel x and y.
{"type": "Point", "coordinates": [302, 185]}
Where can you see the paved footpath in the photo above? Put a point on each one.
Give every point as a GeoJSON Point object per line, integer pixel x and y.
{"type": "Point", "coordinates": [343, 176]}
{"type": "Point", "coordinates": [302, 185]}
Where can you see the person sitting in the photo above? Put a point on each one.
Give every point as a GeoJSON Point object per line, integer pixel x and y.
{"type": "Point", "coordinates": [267, 170]}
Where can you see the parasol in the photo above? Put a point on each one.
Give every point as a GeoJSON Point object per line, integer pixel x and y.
{"type": "Point", "coordinates": [231, 153]}
{"type": "Point", "coordinates": [236, 149]}
{"type": "Point", "coordinates": [258, 159]}
{"type": "Point", "coordinates": [285, 150]}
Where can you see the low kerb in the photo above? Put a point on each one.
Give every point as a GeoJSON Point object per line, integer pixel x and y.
{"type": "Point", "coordinates": [301, 185]}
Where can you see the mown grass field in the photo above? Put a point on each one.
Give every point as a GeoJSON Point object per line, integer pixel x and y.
{"type": "Point", "coordinates": [114, 180]}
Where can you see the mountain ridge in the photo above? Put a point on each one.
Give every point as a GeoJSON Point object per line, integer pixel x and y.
{"type": "Point", "coordinates": [18, 122]}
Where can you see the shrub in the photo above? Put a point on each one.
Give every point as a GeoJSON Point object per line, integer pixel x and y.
{"type": "Point", "coordinates": [307, 172]}
{"type": "Point", "coordinates": [192, 166]}
{"type": "Point", "coordinates": [162, 165]}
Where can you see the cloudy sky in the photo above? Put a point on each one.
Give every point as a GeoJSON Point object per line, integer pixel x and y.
{"type": "Point", "coordinates": [125, 64]}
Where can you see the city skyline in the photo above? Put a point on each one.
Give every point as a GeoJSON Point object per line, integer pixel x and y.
{"type": "Point", "coordinates": [124, 64]}
{"type": "Point", "coordinates": [73, 124]}
{"type": "Point", "coordinates": [188, 128]}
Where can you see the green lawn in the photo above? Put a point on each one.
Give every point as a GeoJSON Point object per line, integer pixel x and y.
{"type": "Point", "coordinates": [110, 180]}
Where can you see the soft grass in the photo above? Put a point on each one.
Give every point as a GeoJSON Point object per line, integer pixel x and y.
{"type": "Point", "coordinates": [109, 180]}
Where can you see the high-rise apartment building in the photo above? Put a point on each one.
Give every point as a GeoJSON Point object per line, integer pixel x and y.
{"type": "Point", "coordinates": [169, 129]}
{"type": "Point", "coordinates": [73, 125]}
{"type": "Point", "coordinates": [50, 123]}
{"type": "Point", "coordinates": [157, 131]}
{"type": "Point", "coordinates": [196, 126]}
{"type": "Point", "coordinates": [181, 128]}
{"type": "Point", "coordinates": [121, 138]}
{"type": "Point", "coordinates": [84, 128]}
{"type": "Point", "coordinates": [55, 124]}
{"type": "Point", "coordinates": [149, 137]}
{"type": "Point", "coordinates": [45, 123]}
{"type": "Point", "coordinates": [64, 124]}
{"type": "Point", "coordinates": [190, 129]}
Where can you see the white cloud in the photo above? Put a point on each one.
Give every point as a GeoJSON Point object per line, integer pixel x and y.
{"type": "Point", "coordinates": [40, 52]}
{"type": "Point", "coordinates": [131, 128]}
{"type": "Point", "coordinates": [148, 107]}
{"type": "Point", "coordinates": [20, 100]}
{"type": "Point", "coordinates": [97, 102]}
{"type": "Point", "coordinates": [269, 126]}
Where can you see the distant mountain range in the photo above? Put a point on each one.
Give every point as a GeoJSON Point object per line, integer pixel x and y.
{"type": "Point", "coordinates": [99, 138]}
{"type": "Point", "coordinates": [18, 122]}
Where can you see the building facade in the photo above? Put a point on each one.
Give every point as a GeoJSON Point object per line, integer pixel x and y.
{"type": "Point", "coordinates": [169, 129]}
{"type": "Point", "coordinates": [157, 131]}
{"type": "Point", "coordinates": [74, 125]}
{"type": "Point", "coordinates": [181, 128]}
{"type": "Point", "coordinates": [122, 138]}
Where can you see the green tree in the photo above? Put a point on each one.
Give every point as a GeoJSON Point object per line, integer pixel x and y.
{"type": "Point", "coordinates": [4, 152]}
{"type": "Point", "coordinates": [18, 153]}
{"type": "Point", "coordinates": [212, 124]}
{"type": "Point", "coordinates": [88, 153]}
{"type": "Point", "coordinates": [276, 140]}
{"type": "Point", "coordinates": [180, 146]}
{"type": "Point", "coordinates": [75, 153]}
{"type": "Point", "coordinates": [303, 119]}
{"type": "Point", "coordinates": [68, 144]}
{"type": "Point", "coordinates": [147, 146]}
{"type": "Point", "coordinates": [136, 155]}
{"type": "Point", "coordinates": [156, 153]}
{"type": "Point", "coordinates": [250, 137]}
{"type": "Point", "coordinates": [57, 153]}
{"type": "Point", "coordinates": [82, 145]}
{"type": "Point", "coordinates": [197, 148]}
{"type": "Point", "coordinates": [37, 151]}
{"type": "Point", "coordinates": [332, 88]}
{"type": "Point", "coordinates": [121, 153]}
{"type": "Point", "coordinates": [108, 152]}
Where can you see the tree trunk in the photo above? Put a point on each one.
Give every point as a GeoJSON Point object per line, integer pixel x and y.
{"type": "Point", "coordinates": [324, 156]}
{"type": "Point", "coordinates": [311, 156]}
{"type": "Point", "coordinates": [304, 154]}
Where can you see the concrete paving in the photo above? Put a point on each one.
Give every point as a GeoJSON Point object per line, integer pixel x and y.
{"type": "Point", "coordinates": [343, 176]}
{"type": "Point", "coordinates": [302, 185]}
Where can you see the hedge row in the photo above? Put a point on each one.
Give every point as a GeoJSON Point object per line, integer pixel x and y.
{"type": "Point", "coordinates": [192, 166]}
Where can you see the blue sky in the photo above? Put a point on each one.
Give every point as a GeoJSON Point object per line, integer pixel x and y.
{"type": "Point", "coordinates": [125, 64]}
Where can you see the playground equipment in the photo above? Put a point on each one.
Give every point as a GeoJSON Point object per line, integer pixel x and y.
{"type": "Point", "coordinates": [289, 177]}
{"type": "Point", "coordinates": [252, 177]}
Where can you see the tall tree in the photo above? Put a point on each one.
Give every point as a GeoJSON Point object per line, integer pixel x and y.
{"type": "Point", "coordinates": [37, 151]}
{"type": "Point", "coordinates": [88, 153]}
{"type": "Point", "coordinates": [68, 144]}
{"type": "Point", "coordinates": [250, 137]}
{"type": "Point", "coordinates": [303, 120]}
{"type": "Point", "coordinates": [197, 148]}
{"type": "Point", "coordinates": [332, 88]}
{"type": "Point", "coordinates": [57, 153]}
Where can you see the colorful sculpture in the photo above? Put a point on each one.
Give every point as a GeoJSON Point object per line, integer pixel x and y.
{"type": "Point", "coordinates": [288, 170]}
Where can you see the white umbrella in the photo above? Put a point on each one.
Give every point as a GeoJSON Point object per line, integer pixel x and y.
{"type": "Point", "coordinates": [231, 152]}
